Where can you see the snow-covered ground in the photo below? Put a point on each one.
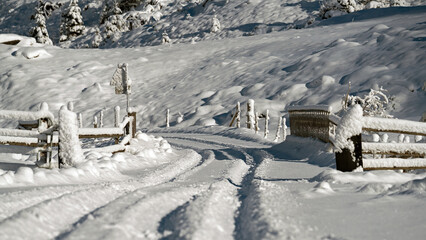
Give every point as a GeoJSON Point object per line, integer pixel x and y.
{"type": "Point", "coordinates": [200, 179]}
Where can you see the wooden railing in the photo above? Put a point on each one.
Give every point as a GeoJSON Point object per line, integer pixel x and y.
{"type": "Point", "coordinates": [34, 133]}
{"type": "Point", "coordinates": [37, 133]}
{"type": "Point", "coordinates": [381, 155]}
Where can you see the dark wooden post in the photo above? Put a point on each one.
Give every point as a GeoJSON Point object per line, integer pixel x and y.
{"type": "Point", "coordinates": [347, 161]}
{"type": "Point", "coordinates": [131, 128]}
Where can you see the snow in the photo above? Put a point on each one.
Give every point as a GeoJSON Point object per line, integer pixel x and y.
{"type": "Point", "coordinates": [314, 107]}
{"type": "Point", "coordinates": [398, 125]}
{"type": "Point", "coordinates": [26, 116]}
{"type": "Point", "coordinates": [350, 125]}
{"type": "Point", "coordinates": [100, 131]}
{"type": "Point", "coordinates": [69, 141]}
{"type": "Point", "coordinates": [393, 163]}
{"type": "Point", "coordinates": [199, 178]}
{"type": "Point", "coordinates": [417, 148]}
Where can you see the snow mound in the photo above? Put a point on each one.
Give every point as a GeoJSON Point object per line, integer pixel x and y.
{"type": "Point", "coordinates": [415, 187]}
{"type": "Point", "coordinates": [32, 53]}
{"type": "Point", "coordinates": [391, 177]}
{"type": "Point", "coordinates": [14, 39]}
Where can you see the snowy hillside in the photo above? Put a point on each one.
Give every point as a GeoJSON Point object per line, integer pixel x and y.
{"type": "Point", "coordinates": [200, 179]}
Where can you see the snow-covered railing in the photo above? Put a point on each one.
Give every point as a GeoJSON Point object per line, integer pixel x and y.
{"type": "Point", "coordinates": [39, 133]}
{"type": "Point", "coordinates": [392, 155]}
{"type": "Point", "coordinates": [310, 121]}
{"type": "Point", "coordinates": [35, 135]}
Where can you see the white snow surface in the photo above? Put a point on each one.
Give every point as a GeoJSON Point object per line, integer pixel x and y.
{"type": "Point", "coordinates": [200, 179]}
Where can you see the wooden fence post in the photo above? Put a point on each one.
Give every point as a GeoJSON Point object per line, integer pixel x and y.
{"type": "Point", "coordinates": [168, 118]}
{"type": "Point", "coordinates": [250, 114]}
{"type": "Point", "coordinates": [266, 124]}
{"type": "Point", "coordinates": [44, 155]}
{"type": "Point", "coordinates": [80, 120]}
{"type": "Point", "coordinates": [256, 123]}
{"type": "Point", "coordinates": [101, 119]}
{"type": "Point", "coordinates": [239, 115]}
{"type": "Point", "coordinates": [347, 161]}
{"type": "Point", "coordinates": [95, 121]}
{"type": "Point", "coordinates": [277, 134]}
{"type": "Point", "coordinates": [131, 126]}
{"type": "Point", "coordinates": [284, 129]}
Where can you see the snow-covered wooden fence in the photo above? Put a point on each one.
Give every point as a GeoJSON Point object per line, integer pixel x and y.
{"type": "Point", "coordinates": [318, 122]}
{"type": "Point", "coordinates": [38, 132]}
{"type": "Point", "coordinates": [34, 133]}
{"type": "Point", "coordinates": [405, 156]}
{"type": "Point", "coordinates": [310, 121]}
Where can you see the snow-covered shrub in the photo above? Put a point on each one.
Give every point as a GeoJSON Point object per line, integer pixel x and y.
{"type": "Point", "coordinates": [216, 25]}
{"type": "Point", "coordinates": [39, 32]}
{"type": "Point", "coordinates": [375, 103]}
{"type": "Point", "coordinates": [332, 8]}
{"type": "Point", "coordinates": [165, 38]}
{"type": "Point", "coordinates": [96, 39]}
{"type": "Point", "coordinates": [72, 22]}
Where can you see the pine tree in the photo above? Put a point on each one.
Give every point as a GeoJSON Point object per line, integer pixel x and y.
{"type": "Point", "coordinates": [39, 32]}
{"type": "Point", "coordinates": [72, 22]}
{"type": "Point", "coordinates": [111, 7]}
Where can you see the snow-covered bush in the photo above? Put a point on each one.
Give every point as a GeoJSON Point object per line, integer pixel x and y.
{"type": "Point", "coordinates": [332, 8]}
{"type": "Point", "coordinates": [216, 25]}
{"type": "Point", "coordinates": [375, 103]}
{"type": "Point", "coordinates": [165, 38]}
{"type": "Point", "coordinates": [39, 32]}
{"type": "Point", "coordinates": [96, 39]}
{"type": "Point", "coordinates": [72, 22]}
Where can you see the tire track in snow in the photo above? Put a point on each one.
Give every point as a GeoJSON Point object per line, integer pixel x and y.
{"type": "Point", "coordinates": [29, 198]}
{"type": "Point", "coordinates": [209, 215]}
{"type": "Point", "coordinates": [266, 207]}
{"type": "Point", "coordinates": [45, 219]}
{"type": "Point", "coordinates": [54, 215]}
{"type": "Point", "coordinates": [135, 215]}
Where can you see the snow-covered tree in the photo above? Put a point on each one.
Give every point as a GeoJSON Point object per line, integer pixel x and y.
{"type": "Point", "coordinates": [72, 22]}
{"type": "Point", "coordinates": [39, 31]}
{"type": "Point", "coordinates": [113, 27]}
{"type": "Point", "coordinates": [110, 7]}
{"type": "Point", "coordinates": [216, 25]}
{"type": "Point", "coordinates": [97, 39]}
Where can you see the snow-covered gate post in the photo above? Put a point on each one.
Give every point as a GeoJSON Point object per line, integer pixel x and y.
{"type": "Point", "coordinates": [122, 83]}
{"type": "Point", "coordinates": [348, 140]}
{"type": "Point", "coordinates": [69, 143]}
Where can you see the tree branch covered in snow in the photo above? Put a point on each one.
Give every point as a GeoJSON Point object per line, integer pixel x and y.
{"type": "Point", "coordinates": [375, 103]}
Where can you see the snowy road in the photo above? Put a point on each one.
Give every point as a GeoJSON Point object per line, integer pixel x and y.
{"type": "Point", "coordinates": [199, 196]}
{"type": "Point", "coordinates": [219, 185]}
